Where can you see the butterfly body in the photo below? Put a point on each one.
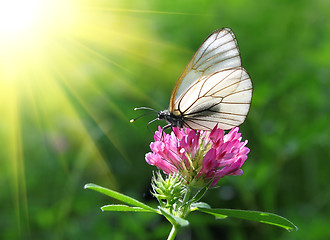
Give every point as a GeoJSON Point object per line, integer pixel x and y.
{"type": "Point", "coordinates": [172, 119]}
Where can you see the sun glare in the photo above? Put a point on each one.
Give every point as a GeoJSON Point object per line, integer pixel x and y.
{"type": "Point", "coordinates": [25, 21]}
{"type": "Point", "coordinates": [22, 19]}
{"type": "Point", "coordinates": [17, 17]}
{"type": "Point", "coordinates": [57, 59]}
{"type": "Point", "coordinates": [27, 32]}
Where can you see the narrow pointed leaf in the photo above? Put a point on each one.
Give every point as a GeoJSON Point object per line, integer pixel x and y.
{"type": "Point", "coordinates": [196, 205]}
{"type": "Point", "coordinates": [123, 208]}
{"type": "Point", "coordinates": [257, 216]}
{"type": "Point", "coordinates": [119, 196]}
{"type": "Point", "coordinates": [174, 219]}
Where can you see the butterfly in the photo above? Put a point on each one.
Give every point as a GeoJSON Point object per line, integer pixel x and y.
{"type": "Point", "coordinates": [213, 89]}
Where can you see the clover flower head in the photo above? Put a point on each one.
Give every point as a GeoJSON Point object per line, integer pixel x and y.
{"type": "Point", "coordinates": [198, 156]}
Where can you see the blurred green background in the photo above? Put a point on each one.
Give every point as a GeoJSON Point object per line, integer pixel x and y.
{"type": "Point", "coordinates": [71, 73]}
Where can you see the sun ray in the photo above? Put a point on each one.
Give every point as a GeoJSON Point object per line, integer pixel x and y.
{"type": "Point", "coordinates": [57, 56]}
{"type": "Point", "coordinates": [75, 97]}
{"type": "Point", "coordinates": [101, 56]}
{"type": "Point", "coordinates": [112, 72]}
{"type": "Point", "coordinates": [14, 156]}
{"type": "Point", "coordinates": [145, 11]}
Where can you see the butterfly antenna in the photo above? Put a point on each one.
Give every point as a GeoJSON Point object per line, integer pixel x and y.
{"type": "Point", "coordinates": [146, 108]}
{"type": "Point", "coordinates": [134, 119]}
{"type": "Point", "coordinates": [143, 108]}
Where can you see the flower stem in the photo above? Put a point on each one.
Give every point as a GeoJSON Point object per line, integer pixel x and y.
{"type": "Point", "coordinates": [187, 195]}
{"type": "Point", "coordinates": [186, 207]}
{"type": "Point", "coordinates": [173, 232]}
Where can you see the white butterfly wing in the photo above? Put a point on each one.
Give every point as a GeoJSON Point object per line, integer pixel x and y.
{"type": "Point", "coordinates": [214, 88]}
{"type": "Point", "coordinates": [218, 52]}
{"type": "Point", "coordinates": [222, 98]}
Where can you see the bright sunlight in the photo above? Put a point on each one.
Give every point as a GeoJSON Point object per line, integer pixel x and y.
{"type": "Point", "coordinates": [18, 17]}
{"type": "Point", "coordinates": [21, 20]}
{"type": "Point", "coordinates": [28, 30]}
{"type": "Point", "coordinates": [51, 52]}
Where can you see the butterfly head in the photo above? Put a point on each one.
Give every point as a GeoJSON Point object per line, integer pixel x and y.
{"type": "Point", "coordinates": [174, 120]}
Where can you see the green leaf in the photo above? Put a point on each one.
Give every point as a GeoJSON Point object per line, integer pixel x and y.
{"type": "Point", "coordinates": [174, 220]}
{"type": "Point", "coordinates": [120, 197]}
{"type": "Point", "coordinates": [196, 205]}
{"type": "Point", "coordinates": [123, 208]}
{"type": "Point", "coordinates": [257, 216]}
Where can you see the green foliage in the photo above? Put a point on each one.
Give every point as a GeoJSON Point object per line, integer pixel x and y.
{"type": "Point", "coordinates": [123, 208]}
{"type": "Point", "coordinates": [176, 215]}
{"type": "Point", "coordinates": [167, 190]}
{"type": "Point", "coordinates": [120, 197]}
{"type": "Point", "coordinates": [257, 216]}
{"type": "Point", "coordinates": [174, 220]}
